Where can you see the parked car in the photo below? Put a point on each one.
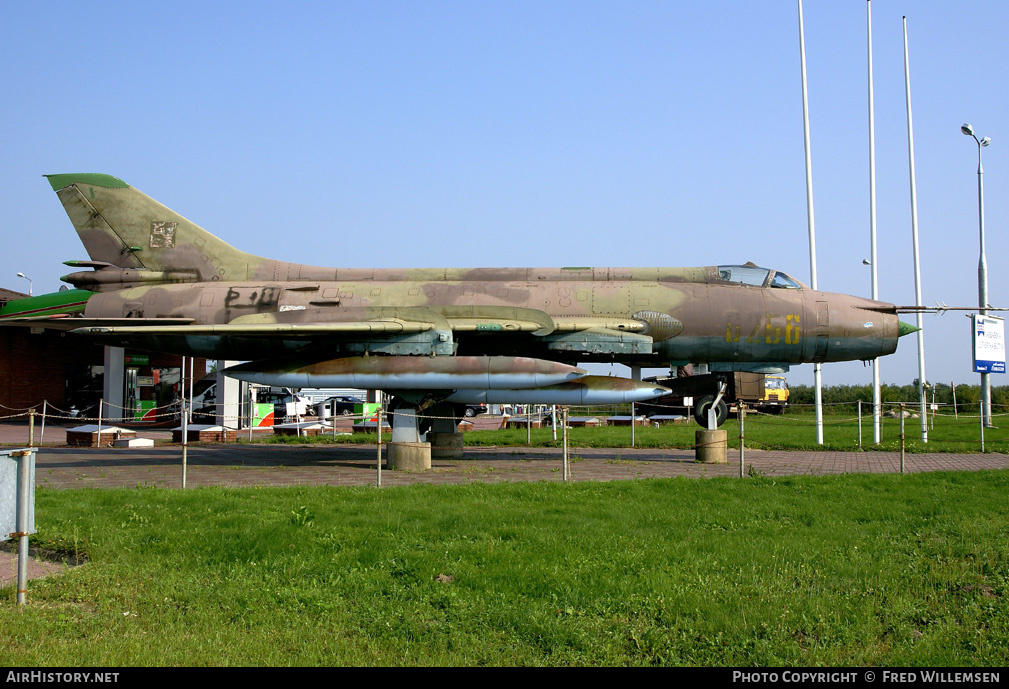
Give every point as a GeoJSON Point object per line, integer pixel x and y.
{"type": "Point", "coordinates": [204, 400]}
{"type": "Point", "coordinates": [345, 405]}
{"type": "Point", "coordinates": [281, 400]}
{"type": "Point", "coordinates": [474, 409]}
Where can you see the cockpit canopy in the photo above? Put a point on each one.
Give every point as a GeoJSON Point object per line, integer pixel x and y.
{"type": "Point", "coordinates": [755, 276]}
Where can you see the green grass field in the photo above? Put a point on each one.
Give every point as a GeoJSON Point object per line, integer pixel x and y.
{"type": "Point", "coordinates": [795, 430]}
{"type": "Point", "coordinates": [841, 570]}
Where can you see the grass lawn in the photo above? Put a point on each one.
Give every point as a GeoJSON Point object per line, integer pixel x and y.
{"type": "Point", "coordinates": [795, 430]}
{"type": "Point", "coordinates": [838, 570]}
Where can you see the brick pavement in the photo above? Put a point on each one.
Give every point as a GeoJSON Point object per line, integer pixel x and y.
{"type": "Point", "coordinates": [286, 465]}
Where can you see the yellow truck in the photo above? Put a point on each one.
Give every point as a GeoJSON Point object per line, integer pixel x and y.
{"type": "Point", "coordinates": [766, 393]}
{"type": "Point", "coordinates": [775, 395]}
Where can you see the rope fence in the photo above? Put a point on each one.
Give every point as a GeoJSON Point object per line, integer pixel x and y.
{"type": "Point", "coordinates": [938, 415]}
{"type": "Point", "coordinates": [947, 428]}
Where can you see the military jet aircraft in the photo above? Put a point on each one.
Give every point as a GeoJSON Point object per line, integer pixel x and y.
{"type": "Point", "coordinates": [442, 336]}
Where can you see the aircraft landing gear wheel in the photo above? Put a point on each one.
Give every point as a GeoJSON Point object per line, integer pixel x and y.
{"type": "Point", "coordinates": [701, 411]}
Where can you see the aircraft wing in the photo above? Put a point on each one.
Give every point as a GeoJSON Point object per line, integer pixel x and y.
{"type": "Point", "coordinates": [370, 325]}
{"type": "Point", "coordinates": [74, 324]}
{"type": "Point", "coordinates": [282, 330]}
{"type": "Point", "coordinates": [439, 330]}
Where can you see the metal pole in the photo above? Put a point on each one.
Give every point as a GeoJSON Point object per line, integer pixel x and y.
{"type": "Point", "coordinates": [192, 378]}
{"type": "Point", "coordinates": [632, 424]}
{"type": "Point", "coordinates": [982, 284]}
{"type": "Point", "coordinates": [378, 443]}
{"type": "Point", "coordinates": [982, 425]}
{"type": "Point", "coordinates": [818, 394]}
{"type": "Point", "coordinates": [567, 469]}
{"type": "Point", "coordinates": [185, 440]}
{"type": "Point", "coordinates": [31, 428]}
{"type": "Point", "coordinates": [21, 523]}
{"type": "Point", "coordinates": [635, 375]}
{"type": "Point", "coordinates": [914, 237]}
{"type": "Point", "coordinates": [182, 380]}
{"type": "Point", "coordinates": [860, 424]}
{"type": "Point", "coordinates": [529, 427]}
{"type": "Point", "coordinates": [101, 403]}
{"type": "Point", "coordinates": [902, 437]}
{"type": "Point", "coordinates": [876, 408]}
{"type": "Point", "coordinates": [742, 436]}
{"type": "Point", "coordinates": [952, 385]}
{"type": "Point", "coordinates": [553, 419]}
{"type": "Point", "coordinates": [252, 409]}
{"type": "Point", "coordinates": [931, 424]}
{"type": "Point", "coordinates": [42, 435]}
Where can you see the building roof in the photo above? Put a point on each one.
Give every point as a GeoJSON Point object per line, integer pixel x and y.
{"type": "Point", "coordinates": [7, 295]}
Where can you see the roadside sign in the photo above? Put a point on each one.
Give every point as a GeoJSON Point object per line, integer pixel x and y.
{"type": "Point", "coordinates": [988, 336]}
{"type": "Point", "coordinates": [10, 461]}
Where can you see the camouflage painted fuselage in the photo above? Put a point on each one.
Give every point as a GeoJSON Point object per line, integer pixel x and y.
{"type": "Point", "coordinates": [148, 263]}
{"type": "Point", "coordinates": [578, 315]}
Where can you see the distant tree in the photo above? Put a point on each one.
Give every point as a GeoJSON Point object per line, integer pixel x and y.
{"type": "Point", "coordinates": [968, 397]}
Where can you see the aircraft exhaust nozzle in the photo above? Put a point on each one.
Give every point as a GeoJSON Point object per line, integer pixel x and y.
{"type": "Point", "coordinates": [409, 373]}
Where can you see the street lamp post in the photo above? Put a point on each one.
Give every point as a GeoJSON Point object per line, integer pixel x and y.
{"type": "Point", "coordinates": [982, 267]}
{"type": "Point", "coordinates": [22, 275]}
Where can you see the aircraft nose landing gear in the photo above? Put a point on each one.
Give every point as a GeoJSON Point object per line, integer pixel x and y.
{"type": "Point", "coordinates": [704, 404]}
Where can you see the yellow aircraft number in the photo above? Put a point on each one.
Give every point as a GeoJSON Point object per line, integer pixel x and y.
{"type": "Point", "coordinates": [770, 329]}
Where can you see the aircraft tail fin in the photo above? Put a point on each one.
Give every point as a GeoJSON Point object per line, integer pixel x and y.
{"type": "Point", "coordinates": [126, 228]}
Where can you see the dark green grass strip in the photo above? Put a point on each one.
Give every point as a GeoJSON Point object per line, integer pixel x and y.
{"type": "Point", "coordinates": [791, 431]}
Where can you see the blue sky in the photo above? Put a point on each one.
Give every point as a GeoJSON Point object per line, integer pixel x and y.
{"type": "Point", "coordinates": [550, 133]}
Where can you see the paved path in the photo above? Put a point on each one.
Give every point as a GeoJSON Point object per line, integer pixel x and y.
{"type": "Point", "coordinates": [336, 465]}
{"type": "Point", "coordinates": [285, 465]}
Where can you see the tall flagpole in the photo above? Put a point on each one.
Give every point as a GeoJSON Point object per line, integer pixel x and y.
{"type": "Point", "coordinates": [876, 401]}
{"type": "Point", "coordinates": [914, 239]}
{"type": "Point", "coordinates": [818, 397]}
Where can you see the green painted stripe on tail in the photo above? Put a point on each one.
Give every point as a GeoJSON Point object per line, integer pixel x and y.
{"type": "Point", "coordinates": [96, 179]}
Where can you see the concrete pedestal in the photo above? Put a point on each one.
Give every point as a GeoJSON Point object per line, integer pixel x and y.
{"type": "Point", "coordinates": [409, 456]}
{"type": "Point", "coordinates": [133, 442]}
{"type": "Point", "coordinates": [710, 447]}
{"type": "Point", "coordinates": [87, 436]}
{"type": "Point", "coordinates": [445, 445]}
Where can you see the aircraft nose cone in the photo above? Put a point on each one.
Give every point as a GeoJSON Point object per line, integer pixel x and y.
{"type": "Point", "coordinates": [906, 328]}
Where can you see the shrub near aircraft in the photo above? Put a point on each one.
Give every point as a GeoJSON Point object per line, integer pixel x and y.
{"type": "Point", "coordinates": [441, 339]}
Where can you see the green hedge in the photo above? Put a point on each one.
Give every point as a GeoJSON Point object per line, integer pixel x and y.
{"type": "Point", "coordinates": [967, 396]}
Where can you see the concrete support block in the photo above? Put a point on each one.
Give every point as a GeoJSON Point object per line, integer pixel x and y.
{"type": "Point", "coordinates": [445, 445]}
{"type": "Point", "coordinates": [710, 447]}
{"type": "Point", "coordinates": [228, 398]}
{"type": "Point", "coordinates": [133, 442]}
{"type": "Point", "coordinates": [114, 383]}
{"type": "Point", "coordinates": [409, 456]}
{"type": "Point", "coordinates": [443, 421]}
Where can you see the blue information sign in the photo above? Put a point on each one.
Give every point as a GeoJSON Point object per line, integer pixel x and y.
{"type": "Point", "coordinates": [989, 343]}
